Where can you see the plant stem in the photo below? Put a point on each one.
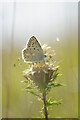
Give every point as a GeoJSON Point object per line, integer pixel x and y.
{"type": "Point", "coordinates": [44, 106]}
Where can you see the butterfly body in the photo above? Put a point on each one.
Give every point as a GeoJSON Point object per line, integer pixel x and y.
{"type": "Point", "coordinates": [33, 51]}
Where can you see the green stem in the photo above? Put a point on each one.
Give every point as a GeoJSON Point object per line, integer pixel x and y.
{"type": "Point", "coordinates": [44, 106]}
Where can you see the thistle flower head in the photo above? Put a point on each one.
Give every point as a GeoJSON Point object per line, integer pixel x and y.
{"type": "Point", "coordinates": [40, 75]}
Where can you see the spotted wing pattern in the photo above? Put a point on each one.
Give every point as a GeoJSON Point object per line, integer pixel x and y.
{"type": "Point", "coordinates": [33, 51]}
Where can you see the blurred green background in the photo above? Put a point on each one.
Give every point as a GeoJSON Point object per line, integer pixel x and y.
{"type": "Point", "coordinates": [48, 22]}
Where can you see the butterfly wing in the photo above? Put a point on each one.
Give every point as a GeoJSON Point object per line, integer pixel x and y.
{"type": "Point", "coordinates": [33, 52]}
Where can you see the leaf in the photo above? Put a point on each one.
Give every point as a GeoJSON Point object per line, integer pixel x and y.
{"type": "Point", "coordinates": [53, 84]}
{"type": "Point", "coordinates": [59, 75]}
{"type": "Point", "coordinates": [34, 93]}
{"type": "Point", "coordinates": [58, 84]}
{"type": "Point", "coordinates": [55, 76]}
{"type": "Point", "coordinates": [49, 99]}
{"type": "Point", "coordinates": [42, 112]}
{"type": "Point", "coordinates": [25, 81]}
{"type": "Point", "coordinates": [28, 87]}
{"type": "Point", "coordinates": [51, 103]}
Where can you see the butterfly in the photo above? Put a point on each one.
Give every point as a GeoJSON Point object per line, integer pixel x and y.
{"type": "Point", "coordinates": [33, 51]}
